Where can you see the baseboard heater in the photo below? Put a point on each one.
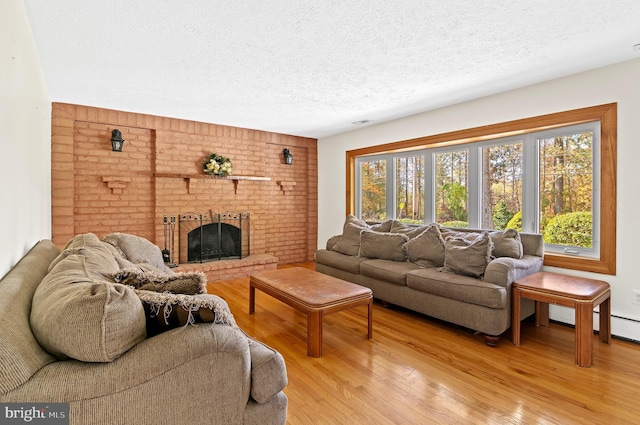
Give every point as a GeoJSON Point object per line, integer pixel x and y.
{"type": "Point", "coordinates": [613, 316]}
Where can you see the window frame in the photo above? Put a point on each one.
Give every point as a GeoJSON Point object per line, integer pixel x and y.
{"type": "Point", "coordinates": [607, 171]}
{"type": "Point", "coordinates": [593, 126]}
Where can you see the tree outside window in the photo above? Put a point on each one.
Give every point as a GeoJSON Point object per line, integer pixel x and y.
{"type": "Point", "coordinates": [374, 192]}
{"type": "Point", "coordinates": [501, 184]}
{"type": "Point", "coordinates": [410, 189]}
{"type": "Point", "coordinates": [451, 188]}
{"type": "Point", "coordinates": [566, 189]}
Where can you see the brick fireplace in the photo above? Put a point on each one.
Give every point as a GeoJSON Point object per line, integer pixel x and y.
{"type": "Point", "coordinates": [159, 172]}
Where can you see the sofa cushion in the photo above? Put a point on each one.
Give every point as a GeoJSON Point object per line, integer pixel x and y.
{"type": "Point", "coordinates": [334, 259]}
{"type": "Point", "coordinates": [386, 270]}
{"type": "Point", "coordinates": [468, 257]}
{"type": "Point", "coordinates": [385, 246]}
{"type": "Point", "coordinates": [138, 250]}
{"type": "Point", "coordinates": [77, 315]}
{"type": "Point", "coordinates": [427, 249]}
{"type": "Point", "coordinates": [506, 243]}
{"type": "Point", "coordinates": [457, 287]}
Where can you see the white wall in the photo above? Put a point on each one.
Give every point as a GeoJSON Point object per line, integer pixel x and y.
{"type": "Point", "coordinates": [616, 83]}
{"type": "Point", "coordinates": [25, 139]}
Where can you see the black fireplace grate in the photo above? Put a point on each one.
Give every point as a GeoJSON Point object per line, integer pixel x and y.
{"type": "Point", "coordinates": [213, 236]}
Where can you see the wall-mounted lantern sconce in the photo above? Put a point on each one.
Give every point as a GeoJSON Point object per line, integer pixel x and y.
{"type": "Point", "coordinates": [116, 140]}
{"type": "Point", "coordinates": [288, 158]}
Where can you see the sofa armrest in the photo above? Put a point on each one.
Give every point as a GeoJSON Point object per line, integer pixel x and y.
{"type": "Point", "coordinates": [504, 270]}
{"type": "Point", "coordinates": [532, 244]}
{"type": "Point", "coordinates": [268, 371]}
{"type": "Point", "coordinates": [202, 372]}
{"type": "Point", "coordinates": [332, 241]}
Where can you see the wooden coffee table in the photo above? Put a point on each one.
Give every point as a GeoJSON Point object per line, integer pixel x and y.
{"type": "Point", "coordinates": [313, 293]}
{"type": "Point", "coordinates": [570, 291]}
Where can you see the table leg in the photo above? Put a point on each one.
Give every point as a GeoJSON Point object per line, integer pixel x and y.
{"type": "Point", "coordinates": [584, 333]}
{"type": "Point", "coordinates": [314, 334]}
{"type": "Point", "coordinates": [542, 314]}
{"type": "Point", "coordinates": [252, 299]}
{"type": "Point", "coordinates": [370, 320]}
{"type": "Point", "coordinates": [515, 316]}
{"type": "Point", "coordinates": [605, 321]}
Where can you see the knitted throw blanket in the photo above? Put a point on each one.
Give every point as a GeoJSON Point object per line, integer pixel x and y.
{"type": "Point", "coordinates": [162, 305]}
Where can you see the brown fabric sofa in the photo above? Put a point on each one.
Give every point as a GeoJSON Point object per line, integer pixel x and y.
{"type": "Point", "coordinates": [205, 373]}
{"type": "Point", "coordinates": [435, 270]}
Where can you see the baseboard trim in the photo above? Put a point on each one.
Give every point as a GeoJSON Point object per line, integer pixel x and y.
{"type": "Point", "coordinates": [623, 328]}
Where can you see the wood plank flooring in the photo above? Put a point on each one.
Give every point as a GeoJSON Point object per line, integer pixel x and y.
{"type": "Point", "coordinates": [417, 370]}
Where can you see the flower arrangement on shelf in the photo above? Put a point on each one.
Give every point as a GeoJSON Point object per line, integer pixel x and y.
{"type": "Point", "coordinates": [218, 166]}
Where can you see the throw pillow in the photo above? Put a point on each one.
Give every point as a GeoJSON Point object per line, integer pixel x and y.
{"type": "Point", "coordinates": [468, 257]}
{"type": "Point", "coordinates": [447, 232]}
{"type": "Point", "coordinates": [405, 229]}
{"type": "Point", "coordinates": [100, 260]}
{"type": "Point", "coordinates": [385, 246]}
{"type": "Point", "coordinates": [382, 227]}
{"type": "Point", "coordinates": [469, 235]}
{"type": "Point", "coordinates": [507, 243]}
{"type": "Point", "coordinates": [426, 249]}
{"type": "Point", "coordinates": [352, 219]}
{"type": "Point", "coordinates": [349, 242]}
{"type": "Point", "coordinates": [151, 279]}
{"type": "Point", "coordinates": [76, 315]}
{"type": "Point", "coordinates": [138, 250]}
{"type": "Point", "coordinates": [165, 311]}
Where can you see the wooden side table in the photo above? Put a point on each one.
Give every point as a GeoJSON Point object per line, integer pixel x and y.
{"type": "Point", "coordinates": [570, 291]}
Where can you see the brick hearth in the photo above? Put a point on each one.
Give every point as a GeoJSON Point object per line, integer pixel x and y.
{"type": "Point", "coordinates": [230, 269]}
{"type": "Point", "coordinates": [159, 173]}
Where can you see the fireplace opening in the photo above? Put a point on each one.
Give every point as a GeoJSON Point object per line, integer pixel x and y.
{"type": "Point", "coordinates": [212, 236]}
{"type": "Point", "coordinates": [214, 241]}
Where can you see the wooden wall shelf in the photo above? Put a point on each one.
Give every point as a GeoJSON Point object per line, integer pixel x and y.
{"type": "Point", "coordinates": [205, 176]}
{"type": "Point", "coordinates": [192, 178]}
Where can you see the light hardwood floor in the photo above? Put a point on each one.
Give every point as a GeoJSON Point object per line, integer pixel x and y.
{"type": "Point", "coordinates": [418, 370]}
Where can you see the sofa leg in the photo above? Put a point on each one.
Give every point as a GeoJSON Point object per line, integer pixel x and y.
{"type": "Point", "coordinates": [491, 340]}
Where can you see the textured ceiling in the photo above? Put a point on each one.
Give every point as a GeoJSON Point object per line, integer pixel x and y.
{"type": "Point", "coordinates": [311, 68]}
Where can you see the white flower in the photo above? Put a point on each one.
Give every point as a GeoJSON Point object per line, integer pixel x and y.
{"type": "Point", "coordinates": [217, 165]}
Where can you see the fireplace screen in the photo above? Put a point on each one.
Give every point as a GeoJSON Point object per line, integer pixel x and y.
{"type": "Point", "coordinates": [212, 236]}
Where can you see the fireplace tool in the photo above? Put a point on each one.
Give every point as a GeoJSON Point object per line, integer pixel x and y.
{"type": "Point", "coordinates": [172, 227]}
{"type": "Point", "coordinates": [166, 254]}
{"type": "Point", "coordinates": [169, 224]}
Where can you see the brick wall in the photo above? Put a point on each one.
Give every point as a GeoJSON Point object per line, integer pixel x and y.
{"type": "Point", "coordinates": [159, 173]}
